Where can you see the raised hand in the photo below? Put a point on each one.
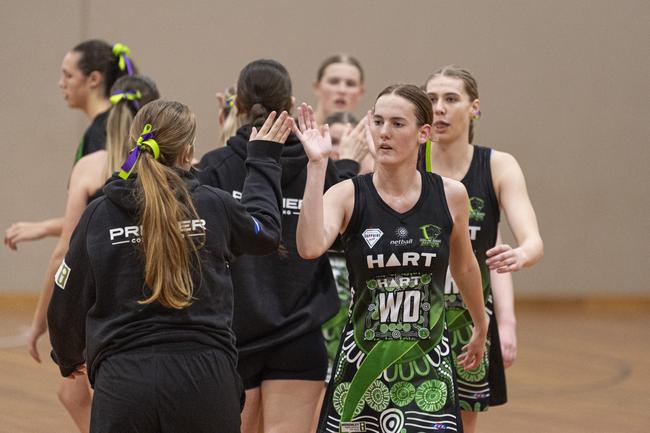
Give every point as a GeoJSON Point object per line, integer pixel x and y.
{"type": "Point", "coordinates": [354, 143]}
{"type": "Point", "coordinates": [277, 131]}
{"type": "Point", "coordinates": [315, 139]}
{"type": "Point", "coordinates": [368, 134]}
{"type": "Point", "coordinates": [504, 258]}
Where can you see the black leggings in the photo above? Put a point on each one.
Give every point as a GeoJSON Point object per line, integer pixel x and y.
{"type": "Point", "coordinates": [167, 389]}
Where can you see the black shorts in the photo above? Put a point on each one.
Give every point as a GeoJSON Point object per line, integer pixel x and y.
{"type": "Point", "coordinates": [177, 388]}
{"type": "Point", "coordinates": [304, 358]}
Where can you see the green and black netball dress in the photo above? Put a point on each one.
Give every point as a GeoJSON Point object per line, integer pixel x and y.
{"type": "Point", "coordinates": [393, 371]}
{"type": "Point", "coordinates": [485, 385]}
{"type": "Point", "coordinates": [333, 328]}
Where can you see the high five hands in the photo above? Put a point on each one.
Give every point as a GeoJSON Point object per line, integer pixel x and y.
{"type": "Point", "coordinates": [277, 131]}
{"type": "Point", "coordinates": [355, 144]}
{"type": "Point", "coordinates": [315, 138]}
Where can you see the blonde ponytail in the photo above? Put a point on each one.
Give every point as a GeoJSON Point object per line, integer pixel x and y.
{"type": "Point", "coordinates": [168, 131]}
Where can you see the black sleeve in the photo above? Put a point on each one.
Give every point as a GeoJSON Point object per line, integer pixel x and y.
{"type": "Point", "coordinates": [255, 222]}
{"type": "Point", "coordinates": [347, 168]}
{"type": "Point", "coordinates": [72, 296]}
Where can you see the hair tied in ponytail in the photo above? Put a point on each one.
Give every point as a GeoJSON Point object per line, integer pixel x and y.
{"type": "Point", "coordinates": [123, 52]}
{"type": "Point", "coordinates": [145, 143]}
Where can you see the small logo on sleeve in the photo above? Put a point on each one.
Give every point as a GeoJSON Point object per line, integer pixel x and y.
{"type": "Point", "coordinates": [61, 277]}
{"type": "Point", "coordinates": [372, 236]}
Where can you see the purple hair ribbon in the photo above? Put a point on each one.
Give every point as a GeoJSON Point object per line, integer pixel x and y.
{"type": "Point", "coordinates": [145, 143]}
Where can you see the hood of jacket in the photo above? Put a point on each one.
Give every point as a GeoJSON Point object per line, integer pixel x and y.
{"type": "Point", "coordinates": [124, 192]}
{"type": "Point", "coordinates": [293, 158]}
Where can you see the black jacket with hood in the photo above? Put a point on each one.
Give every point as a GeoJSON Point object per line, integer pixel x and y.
{"type": "Point", "coordinates": [94, 310]}
{"type": "Point", "coordinates": [281, 296]}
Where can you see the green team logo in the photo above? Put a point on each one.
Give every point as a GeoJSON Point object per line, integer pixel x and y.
{"type": "Point", "coordinates": [61, 277]}
{"type": "Point", "coordinates": [430, 234]}
{"type": "Point", "coordinates": [475, 209]}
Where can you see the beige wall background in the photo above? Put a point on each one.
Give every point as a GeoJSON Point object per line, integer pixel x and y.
{"type": "Point", "coordinates": [564, 87]}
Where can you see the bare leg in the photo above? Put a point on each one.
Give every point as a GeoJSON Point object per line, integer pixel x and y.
{"type": "Point", "coordinates": [76, 396]}
{"type": "Point", "coordinates": [251, 416]}
{"type": "Point", "coordinates": [314, 423]}
{"type": "Point", "coordinates": [289, 405]}
{"type": "Point", "coordinates": [469, 421]}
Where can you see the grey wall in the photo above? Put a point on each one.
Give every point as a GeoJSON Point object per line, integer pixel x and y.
{"type": "Point", "coordinates": [564, 85]}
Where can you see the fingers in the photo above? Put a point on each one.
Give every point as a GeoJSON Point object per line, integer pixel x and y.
{"type": "Point", "coordinates": [301, 117]}
{"type": "Point", "coordinates": [498, 249]}
{"type": "Point", "coordinates": [286, 129]}
{"type": "Point", "coordinates": [278, 131]}
{"type": "Point", "coordinates": [267, 123]}
{"type": "Point", "coordinates": [277, 125]}
{"type": "Point", "coordinates": [33, 352]}
{"type": "Point", "coordinates": [311, 119]}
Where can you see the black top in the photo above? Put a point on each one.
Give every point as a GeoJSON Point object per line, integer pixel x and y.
{"type": "Point", "coordinates": [94, 310]}
{"type": "Point", "coordinates": [281, 296]}
{"type": "Point", "coordinates": [397, 263]}
{"type": "Point", "coordinates": [94, 138]}
{"type": "Point", "coordinates": [483, 220]}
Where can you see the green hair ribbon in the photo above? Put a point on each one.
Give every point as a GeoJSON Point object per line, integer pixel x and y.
{"type": "Point", "coordinates": [145, 143]}
{"type": "Point", "coordinates": [129, 95]}
{"type": "Point", "coordinates": [123, 52]}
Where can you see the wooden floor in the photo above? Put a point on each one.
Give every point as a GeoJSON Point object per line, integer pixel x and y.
{"type": "Point", "coordinates": [580, 369]}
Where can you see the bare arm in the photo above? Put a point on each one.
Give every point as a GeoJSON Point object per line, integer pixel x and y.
{"type": "Point", "coordinates": [78, 194]}
{"type": "Point", "coordinates": [321, 217]}
{"type": "Point", "coordinates": [466, 273]}
{"type": "Point", "coordinates": [510, 187]}
{"type": "Point", "coordinates": [504, 308]}
{"type": "Point", "coordinates": [31, 231]}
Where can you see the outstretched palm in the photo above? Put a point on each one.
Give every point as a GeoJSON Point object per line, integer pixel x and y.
{"type": "Point", "coordinates": [315, 140]}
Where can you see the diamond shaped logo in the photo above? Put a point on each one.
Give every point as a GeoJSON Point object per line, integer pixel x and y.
{"type": "Point", "coordinates": [372, 236]}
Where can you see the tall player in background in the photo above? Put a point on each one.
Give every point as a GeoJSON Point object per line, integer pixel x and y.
{"type": "Point", "coordinates": [494, 182]}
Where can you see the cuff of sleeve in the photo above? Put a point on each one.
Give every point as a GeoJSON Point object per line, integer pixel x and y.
{"type": "Point", "coordinates": [264, 149]}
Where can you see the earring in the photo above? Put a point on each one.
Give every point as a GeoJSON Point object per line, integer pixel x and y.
{"type": "Point", "coordinates": [477, 115]}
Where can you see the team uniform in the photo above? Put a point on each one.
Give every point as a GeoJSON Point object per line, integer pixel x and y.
{"type": "Point", "coordinates": [393, 371]}
{"type": "Point", "coordinates": [94, 138]}
{"type": "Point", "coordinates": [281, 300]}
{"type": "Point", "coordinates": [485, 385]}
{"type": "Point", "coordinates": [158, 369]}
{"type": "Point", "coordinates": [333, 328]}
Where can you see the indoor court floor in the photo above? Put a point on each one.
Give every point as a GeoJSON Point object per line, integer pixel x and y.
{"type": "Point", "coordinates": [582, 367]}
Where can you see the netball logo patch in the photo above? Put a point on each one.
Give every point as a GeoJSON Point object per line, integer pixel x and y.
{"type": "Point", "coordinates": [372, 236]}
{"type": "Point", "coordinates": [61, 277]}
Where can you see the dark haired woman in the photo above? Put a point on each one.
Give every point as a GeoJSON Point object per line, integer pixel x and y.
{"type": "Point", "coordinates": [87, 73]}
{"type": "Point", "coordinates": [144, 296]}
{"type": "Point", "coordinates": [400, 228]}
{"type": "Point", "coordinates": [281, 300]}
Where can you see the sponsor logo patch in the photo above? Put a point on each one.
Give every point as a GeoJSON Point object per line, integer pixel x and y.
{"type": "Point", "coordinates": [353, 427]}
{"type": "Point", "coordinates": [61, 276]}
{"type": "Point", "coordinates": [372, 236]}
{"type": "Point", "coordinates": [430, 235]}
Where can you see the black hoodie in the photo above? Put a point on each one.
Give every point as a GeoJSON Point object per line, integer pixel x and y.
{"type": "Point", "coordinates": [94, 307]}
{"type": "Point", "coordinates": [281, 296]}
